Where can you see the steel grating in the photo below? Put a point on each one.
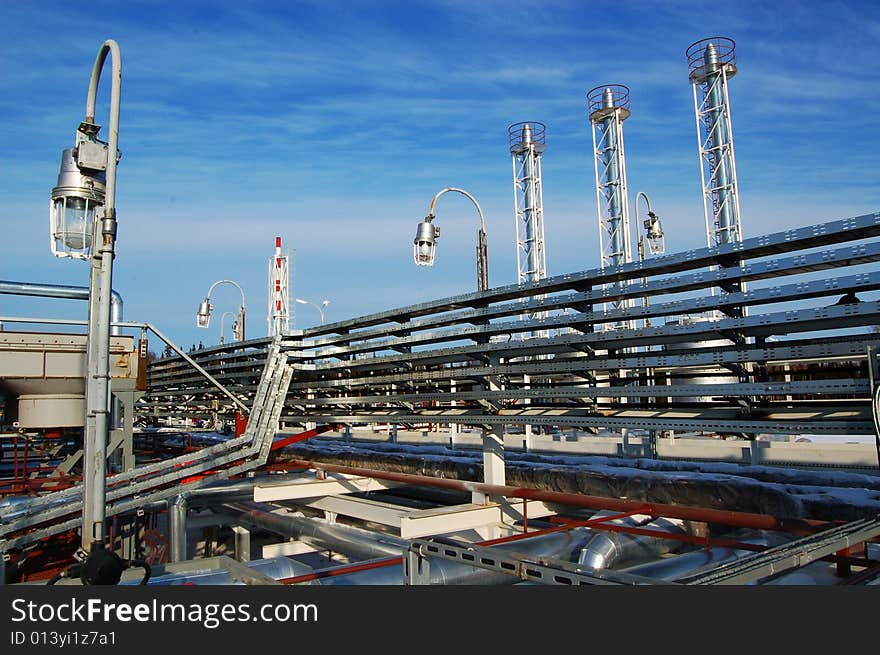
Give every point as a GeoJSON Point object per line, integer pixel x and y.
{"type": "Point", "coordinates": [785, 357]}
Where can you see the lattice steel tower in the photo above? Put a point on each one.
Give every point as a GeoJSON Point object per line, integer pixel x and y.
{"type": "Point", "coordinates": [527, 144]}
{"type": "Point", "coordinates": [712, 62]}
{"type": "Point", "coordinates": [609, 107]}
{"type": "Point", "coordinates": [279, 291]}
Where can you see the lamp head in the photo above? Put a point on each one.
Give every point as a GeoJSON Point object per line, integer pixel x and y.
{"type": "Point", "coordinates": [425, 243]}
{"type": "Point", "coordinates": [654, 233]}
{"type": "Point", "coordinates": [73, 206]}
{"type": "Point", "coordinates": [203, 317]}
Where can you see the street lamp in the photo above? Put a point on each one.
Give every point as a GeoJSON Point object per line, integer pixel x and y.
{"type": "Point", "coordinates": [82, 215]}
{"type": "Point", "coordinates": [425, 243]}
{"type": "Point", "coordinates": [320, 309]}
{"type": "Point", "coordinates": [653, 230]}
{"type": "Point", "coordinates": [655, 238]}
{"type": "Point", "coordinates": [203, 315]}
{"type": "Point", "coordinates": [234, 326]}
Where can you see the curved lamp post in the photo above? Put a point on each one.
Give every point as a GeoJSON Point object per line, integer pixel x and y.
{"type": "Point", "coordinates": [655, 238]}
{"type": "Point", "coordinates": [82, 216]}
{"type": "Point", "coordinates": [234, 325]}
{"type": "Point", "coordinates": [425, 243]}
{"type": "Point", "coordinates": [653, 230]}
{"type": "Point", "coordinates": [203, 316]}
{"type": "Point", "coordinates": [320, 308]}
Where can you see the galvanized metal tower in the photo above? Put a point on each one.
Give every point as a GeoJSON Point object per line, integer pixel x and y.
{"type": "Point", "coordinates": [609, 107]}
{"type": "Point", "coordinates": [527, 144]}
{"type": "Point", "coordinates": [279, 291]}
{"type": "Point", "coordinates": [712, 62]}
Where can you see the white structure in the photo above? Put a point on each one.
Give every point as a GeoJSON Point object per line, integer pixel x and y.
{"type": "Point", "coordinates": [279, 291]}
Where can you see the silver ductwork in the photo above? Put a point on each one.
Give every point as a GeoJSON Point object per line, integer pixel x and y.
{"type": "Point", "coordinates": [63, 291]}
{"type": "Point", "coordinates": [557, 545]}
{"type": "Point", "coordinates": [276, 568]}
{"type": "Point", "coordinates": [613, 549]}
{"type": "Point", "coordinates": [365, 545]}
{"type": "Point", "coordinates": [702, 560]}
{"type": "Point", "coordinates": [180, 505]}
{"type": "Point", "coordinates": [353, 542]}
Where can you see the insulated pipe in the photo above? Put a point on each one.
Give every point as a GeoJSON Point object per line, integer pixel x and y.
{"type": "Point", "coordinates": [610, 549]}
{"type": "Point", "coordinates": [272, 567]}
{"type": "Point", "coordinates": [672, 568]}
{"type": "Point", "coordinates": [351, 541]}
{"type": "Point", "coordinates": [177, 527]}
{"type": "Point", "coordinates": [363, 544]}
{"type": "Point", "coordinates": [558, 545]}
{"type": "Point", "coordinates": [180, 504]}
{"type": "Point", "coordinates": [63, 291]}
{"type": "Point", "coordinates": [706, 515]}
{"type": "Point", "coordinates": [680, 566]}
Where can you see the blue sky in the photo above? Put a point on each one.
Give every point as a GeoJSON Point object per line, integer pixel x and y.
{"type": "Point", "coordinates": [333, 124]}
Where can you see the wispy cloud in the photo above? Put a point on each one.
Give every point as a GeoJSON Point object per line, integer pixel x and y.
{"type": "Point", "coordinates": [333, 124]}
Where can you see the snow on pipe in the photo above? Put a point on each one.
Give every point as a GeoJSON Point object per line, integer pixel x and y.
{"type": "Point", "coordinates": [610, 549]}
{"type": "Point", "coordinates": [667, 510]}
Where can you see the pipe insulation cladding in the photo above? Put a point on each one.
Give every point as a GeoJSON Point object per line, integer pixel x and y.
{"type": "Point", "coordinates": [608, 550]}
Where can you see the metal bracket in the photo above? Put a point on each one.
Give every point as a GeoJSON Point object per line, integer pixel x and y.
{"type": "Point", "coordinates": [533, 569]}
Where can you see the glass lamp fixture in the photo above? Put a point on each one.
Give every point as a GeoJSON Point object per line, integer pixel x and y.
{"type": "Point", "coordinates": [425, 243]}
{"type": "Point", "coordinates": [656, 240]}
{"type": "Point", "coordinates": [74, 205]}
{"type": "Point", "coordinates": [203, 317]}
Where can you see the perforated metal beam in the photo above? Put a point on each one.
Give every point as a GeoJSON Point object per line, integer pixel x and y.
{"type": "Point", "coordinates": [532, 569]}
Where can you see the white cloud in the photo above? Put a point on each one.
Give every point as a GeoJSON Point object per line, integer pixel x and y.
{"type": "Point", "coordinates": [333, 125]}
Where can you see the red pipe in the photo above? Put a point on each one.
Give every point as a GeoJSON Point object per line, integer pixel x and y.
{"type": "Point", "coordinates": [708, 542]}
{"type": "Point", "coordinates": [705, 515]}
{"type": "Point", "coordinates": [844, 568]}
{"type": "Point", "coordinates": [302, 436]}
{"type": "Point", "coordinates": [354, 568]}
{"type": "Point", "coordinates": [561, 528]}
